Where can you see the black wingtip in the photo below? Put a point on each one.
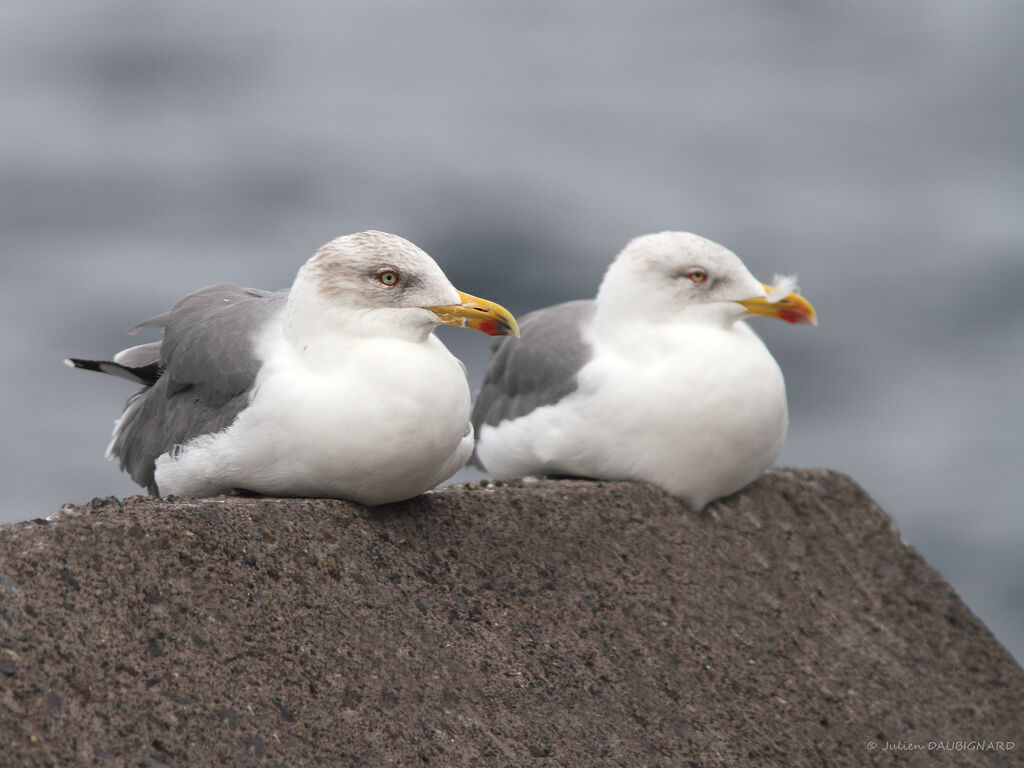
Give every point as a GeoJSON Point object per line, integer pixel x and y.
{"type": "Point", "coordinates": [87, 365]}
{"type": "Point", "coordinates": [144, 374]}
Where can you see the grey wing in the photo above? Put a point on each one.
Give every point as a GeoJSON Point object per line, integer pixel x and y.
{"type": "Point", "coordinates": [207, 367]}
{"type": "Point", "coordinates": [537, 369]}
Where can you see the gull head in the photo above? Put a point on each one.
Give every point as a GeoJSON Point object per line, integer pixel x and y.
{"type": "Point", "coordinates": [679, 276]}
{"type": "Point", "coordinates": [375, 283]}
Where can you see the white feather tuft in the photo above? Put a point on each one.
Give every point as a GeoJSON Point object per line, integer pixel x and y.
{"type": "Point", "coordinates": [782, 286]}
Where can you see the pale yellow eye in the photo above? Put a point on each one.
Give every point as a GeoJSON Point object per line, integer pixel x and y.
{"type": "Point", "coordinates": [388, 277]}
{"type": "Point", "coordinates": [697, 275]}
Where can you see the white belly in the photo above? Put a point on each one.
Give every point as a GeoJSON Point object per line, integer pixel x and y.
{"type": "Point", "coordinates": [387, 422]}
{"type": "Point", "coordinates": [700, 422]}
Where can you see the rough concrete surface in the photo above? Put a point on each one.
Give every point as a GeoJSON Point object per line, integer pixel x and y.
{"type": "Point", "coordinates": [548, 623]}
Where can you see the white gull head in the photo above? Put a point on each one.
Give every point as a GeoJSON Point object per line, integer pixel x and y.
{"type": "Point", "coordinates": [676, 275]}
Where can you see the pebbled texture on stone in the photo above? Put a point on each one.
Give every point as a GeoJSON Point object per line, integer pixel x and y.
{"type": "Point", "coordinates": [532, 623]}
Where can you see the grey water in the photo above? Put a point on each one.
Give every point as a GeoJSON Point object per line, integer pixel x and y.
{"type": "Point", "coordinates": [874, 148]}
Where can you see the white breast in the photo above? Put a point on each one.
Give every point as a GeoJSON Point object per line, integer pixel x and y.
{"type": "Point", "coordinates": [377, 420]}
{"type": "Point", "coordinates": [700, 413]}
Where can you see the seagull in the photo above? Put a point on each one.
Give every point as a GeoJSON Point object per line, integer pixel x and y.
{"type": "Point", "coordinates": [337, 387]}
{"type": "Point", "coordinates": [657, 379]}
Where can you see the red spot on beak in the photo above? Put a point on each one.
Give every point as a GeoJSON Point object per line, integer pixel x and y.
{"type": "Point", "coordinates": [490, 327]}
{"type": "Point", "coordinates": [793, 316]}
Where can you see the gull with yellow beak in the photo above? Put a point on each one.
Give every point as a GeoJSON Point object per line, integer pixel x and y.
{"type": "Point", "coordinates": [657, 379]}
{"type": "Point", "coordinates": [337, 387]}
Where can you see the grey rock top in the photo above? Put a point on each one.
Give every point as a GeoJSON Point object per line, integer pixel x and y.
{"type": "Point", "coordinates": [555, 623]}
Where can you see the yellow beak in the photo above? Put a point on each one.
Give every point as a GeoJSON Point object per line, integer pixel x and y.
{"type": "Point", "coordinates": [478, 314]}
{"type": "Point", "coordinates": [793, 308]}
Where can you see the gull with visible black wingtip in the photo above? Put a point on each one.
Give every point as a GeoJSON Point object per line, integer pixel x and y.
{"type": "Point", "coordinates": [337, 387]}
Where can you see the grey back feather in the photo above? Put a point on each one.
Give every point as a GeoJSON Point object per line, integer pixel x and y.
{"type": "Point", "coordinates": [207, 369]}
{"type": "Point", "coordinates": [537, 369]}
{"type": "Point", "coordinates": [140, 356]}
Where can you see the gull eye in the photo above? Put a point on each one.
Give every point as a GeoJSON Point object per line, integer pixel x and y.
{"type": "Point", "coordinates": [697, 275]}
{"type": "Point", "coordinates": [388, 277]}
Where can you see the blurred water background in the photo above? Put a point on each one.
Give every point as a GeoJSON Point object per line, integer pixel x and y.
{"type": "Point", "coordinates": [874, 147]}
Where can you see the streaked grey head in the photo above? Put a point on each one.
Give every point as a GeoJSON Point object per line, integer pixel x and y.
{"type": "Point", "coordinates": [376, 284]}
{"type": "Point", "coordinates": [376, 270]}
